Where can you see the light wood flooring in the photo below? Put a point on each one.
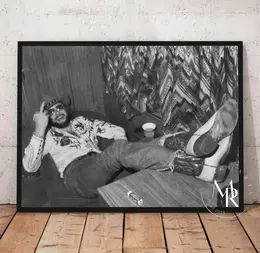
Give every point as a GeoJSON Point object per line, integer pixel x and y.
{"type": "Point", "coordinates": [129, 232]}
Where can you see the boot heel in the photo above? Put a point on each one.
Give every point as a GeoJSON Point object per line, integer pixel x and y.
{"type": "Point", "coordinates": [221, 174]}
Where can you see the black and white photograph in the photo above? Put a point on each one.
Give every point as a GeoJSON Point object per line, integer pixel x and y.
{"type": "Point", "coordinates": [130, 126]}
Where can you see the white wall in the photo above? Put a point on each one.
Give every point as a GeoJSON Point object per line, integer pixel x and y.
{"type": "Point", "coordinates": [128, 20]}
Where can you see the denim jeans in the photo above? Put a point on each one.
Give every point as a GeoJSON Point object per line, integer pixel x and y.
{"type": "Point", "coordinates": [86, 174]}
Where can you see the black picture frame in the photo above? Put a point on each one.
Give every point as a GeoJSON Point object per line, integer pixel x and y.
{"type": "Point", "coordinates": [24, 44]}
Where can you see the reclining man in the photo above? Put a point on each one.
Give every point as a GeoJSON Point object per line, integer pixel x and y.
{"type": "Point", "coordinates": [83, 167]}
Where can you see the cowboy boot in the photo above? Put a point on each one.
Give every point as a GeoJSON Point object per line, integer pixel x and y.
{"type": "Point", "coordinates": [208, 169]}
{"type": "Point", "coordinates": [219, 126]}
{"type": "Point", "coordinates": [201, 148]}
{"type": "Point", "coordinates": [193, 166]}
{"type": "Point", "coordinates": [186, 164]}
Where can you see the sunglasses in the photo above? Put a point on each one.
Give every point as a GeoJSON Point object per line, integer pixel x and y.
{"type": "Point", "coordinates": [56, 109]}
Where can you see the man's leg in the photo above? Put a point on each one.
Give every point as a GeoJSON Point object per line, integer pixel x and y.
{"type": "Point", "coordinates": [135, 155]}
{"type": "Point", "coordinates": [150, 155]}
{"type": "Point", "coordinates": [96, 172]}
{"type": "Point", "coordinates": [89, 174]}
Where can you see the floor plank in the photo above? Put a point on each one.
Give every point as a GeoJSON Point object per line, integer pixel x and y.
{"type": "Point", "coordinates": [225, 233]}
{"type": "Point", "coordinates": [184, 233]}
{"type": "Point", "coordinates": [103, 233]}
{"type": "Point", "coordinates": [143, 231]}
{"type": "Point", "coordinates": [144, 251]}
{"type": "Point", "coordinates": [24, 232]}
{"type": "Point", "coordinates": [63, 233]}
{"type": "Point", "coordinates": [6, 214]}
{"type": "Point", "coordinates": [250, 220]}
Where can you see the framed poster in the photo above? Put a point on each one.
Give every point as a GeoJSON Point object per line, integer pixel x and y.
{"type": "Point", "coordinates": [130, 126]}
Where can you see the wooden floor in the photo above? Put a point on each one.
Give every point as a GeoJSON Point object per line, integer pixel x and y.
{"type": "Point", "coordinates": [129, 232]}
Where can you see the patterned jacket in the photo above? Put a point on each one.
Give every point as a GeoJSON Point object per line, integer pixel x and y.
{"type": "Point", "coordinates": [65, 146]}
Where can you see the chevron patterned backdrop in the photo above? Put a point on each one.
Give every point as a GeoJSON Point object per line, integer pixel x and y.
{"type": "Point", "coordinates": [181, 85]}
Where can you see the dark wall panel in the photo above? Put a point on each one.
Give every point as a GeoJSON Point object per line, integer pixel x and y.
{"type": "Point", "coordinates": [55, 70]}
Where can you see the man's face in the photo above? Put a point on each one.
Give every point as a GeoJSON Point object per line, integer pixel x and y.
{"type": "Point", "coordinates": [58, 115]}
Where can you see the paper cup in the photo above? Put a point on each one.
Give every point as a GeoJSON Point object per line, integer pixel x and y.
{"type": "Point", "coordinates": [149, 129]}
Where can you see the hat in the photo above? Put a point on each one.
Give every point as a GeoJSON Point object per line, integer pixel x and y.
{"type": "Point", "coordinates": [51, 101]}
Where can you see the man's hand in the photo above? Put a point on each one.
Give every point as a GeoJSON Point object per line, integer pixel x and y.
{"type": "Point", "coordinates": [41, 120]}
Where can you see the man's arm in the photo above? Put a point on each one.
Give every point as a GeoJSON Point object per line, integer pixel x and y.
{"type": "Point", "coordinates": [108, 130]}
{"type": "Point", "coordinates": [33, 154]}
{"type": "Point", "coordinates": [38, 146]}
